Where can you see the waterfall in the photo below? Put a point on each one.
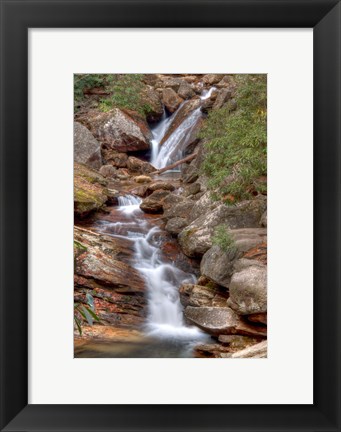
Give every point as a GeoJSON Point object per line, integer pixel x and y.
{"type": "Point", "coordinates": [173, 148]}
{"type": "Point", "coordinates": [163, 278]}
{"type": "Point", "coordinates": [128, 200]}
{"type": "Point", "coordinates": [158, 132]}
{"type": "Point", "coordinates": [206, 94]}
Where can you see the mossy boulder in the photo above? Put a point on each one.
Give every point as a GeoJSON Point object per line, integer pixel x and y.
{"type": "Point", "coordinates": [90, 191]}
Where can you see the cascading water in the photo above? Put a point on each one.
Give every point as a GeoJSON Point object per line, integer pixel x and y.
{"type": "Point", "coordinates": [172, 149]}
{"type": "Point", "coordinates": [163, 278]}
{"type": "Point", "coordinates": [165, 322]}
{"type": "Point", "coordinates": [206, 94]}
{"type": "Point", "coordinates": [158, 132]}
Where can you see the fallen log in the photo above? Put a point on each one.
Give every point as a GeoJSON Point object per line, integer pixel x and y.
{"type": "Point", "coordinates": [175, 164]}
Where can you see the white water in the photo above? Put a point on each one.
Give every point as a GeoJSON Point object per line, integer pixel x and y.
{"type": "Point", "coordinates": [172, 149]}
{"type": "Point", "coordinates": [207, 93]}
{"type": "Point", "coordinates": [158, 133]}
{"type": "Point", "coordinates": [163, 278]}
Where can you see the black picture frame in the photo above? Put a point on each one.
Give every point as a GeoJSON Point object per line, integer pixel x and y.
{"type": "Point", "coordinates": [16, 18]}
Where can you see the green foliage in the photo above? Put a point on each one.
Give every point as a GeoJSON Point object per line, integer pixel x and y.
{"type": "Point", "coordinates": [79, 245]}
{"type": "Point", "coordinates": [223, 239]}
{"type": "Point", "coordinates": [87, 81]}
{"type": "Point", "coordinates": [124, 91]}
{"type": "Point", "coordinates": [236, 142]}
{"type": "Point", "coordinates": [85, 313]}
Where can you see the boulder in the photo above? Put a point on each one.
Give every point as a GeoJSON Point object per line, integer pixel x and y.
{"type": "Point", "coordinates": [258, 253]}
{"type": "Point", "coordinates": [172, 82]}
{"type": "Point", "coordinates": [160, 185]}
{"type": "Point", "coordinates": [86, 148]}
{"type": "Point", "coordinates": [221, 320]}
{"type": "Point", "coordinates": [108, 171]}
{"type": "Point", "coordinates": [151, 100]}
{"type": "Point", "coordinates": [181, 209]}
{"type": "Point", "coordinates": [217, 265]}
{"type": "Point", "coordinates": [190, 173]}
{"type": "Point", "coordinates": [117, 288]}
{"type": "Point", "coordinates": [121, 132]}
{"type": "Point", "coordinates": [204, 205]}
{"type": "Point", "coordinates": [171, 200]}
{"type": "Point", "coordinates": [137, 165]}
{"type": "Point", "coordinates": [211, 79]}
{"type": "Point", "coordinates": [171, 100]}
{"type": "Point", "coordinates": [238, 341]}
{"type": "Point", "coordinates": [175, 225]}
{"type": "Point", "coordinates": [140, 191]}
{"type": "Point", "coordinates": [198, 295]}
{"type": "Point", "coordinates": [118, 160]}
{"type": "Point", "coordinates": [196, 239]}
{"type": "Point", "coordinates": [226, 82]}
{"type": "Point", "coordinates": [192, 189]}
{"type": "Point", "coordinates": [259, 350]}
{"type": "Point", "coordinates": [248, 291]}
{"type": "Point", "coordinates": [142, 179]}
{"type": "Point", "coordinates": [154, 203]}
{"type": "Point", "coordinates": [224, 96]}
{"type": "Point", "coordinates": [90, 190]}
{"type": "Point", "coordinates": [150, 79]}
{"type": "Point", "coordinates": [185, 91]}
{"type": "Point", "coordinates": [246, 239]}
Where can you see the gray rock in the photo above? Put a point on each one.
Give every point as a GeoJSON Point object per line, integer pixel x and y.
{"type": "Point", "coordinates": [196, 239]}
{"type": "Point", "coordinates": [192, 189]}
{"type": "Point", "coordinates": [151, 99]}
{"type": "Point", "coordinates": [185, 91]}
{"type": "Point", "coordinates": [87, 149]}
{"type": "Point", "coordinates": [226, 82]}
{"type": "Point", "coordinates": [224, 95]}
{"type": "Point", "coordinates": [217, 265]}
{"type": "Point", "coordinates": [259, 350]}
{"type": "Point", "coordinates": [120, 132]}
{"type": "Point", "coordinates": [172, 82]}
{"type": "Point", "coordinates": [181, 209]}
{"type": "Point", "coordinates": [137, 165]}
{"type": "Point", "coordinates": [220, 320]}
{"type": "Point", "coordinates": [204, 205]}
{"type": "Point", "coordinates": [211, 79]}
{"type": "Point", "coordinates": [197, 295]}
{"type": "Point", "coordinates": [248, 291]}
{"type": "Point", "coordinates": [176, 225]}
{"type": "Point", "coordinates": [244, 263]}
{"type": "Point", "coordinates": [154, 203]}
{"type": "Point", "coordinates": [161, 185]}
{"type": "Point", "coordinates": [118, 160]}
{"type": "Point", "coordinates": [171, 100]}
{"type": "Point", "coordinates": [108, 171]}
{"type": "Point", "coordinates": [190, 174]}
{"type": "Point", "coordinates": [247, 238]}
{"type": "Point", "coordinates": [264, 219]}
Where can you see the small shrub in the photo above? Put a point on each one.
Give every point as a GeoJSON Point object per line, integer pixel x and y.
{"type": "Point", "coordinates": [223, 239]}
{"type": "Point", "coordinates": [124, 91]}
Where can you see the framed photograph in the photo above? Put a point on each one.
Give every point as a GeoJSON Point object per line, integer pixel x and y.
{"type": "Point", "coordinates": [170, 215]}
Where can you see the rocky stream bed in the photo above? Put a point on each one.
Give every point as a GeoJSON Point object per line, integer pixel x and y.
{"type": "Point", "coordinates": [143, 240]}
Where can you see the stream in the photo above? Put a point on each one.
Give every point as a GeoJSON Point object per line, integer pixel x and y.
{"type": "Point", "coordinates": [166, 334]}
